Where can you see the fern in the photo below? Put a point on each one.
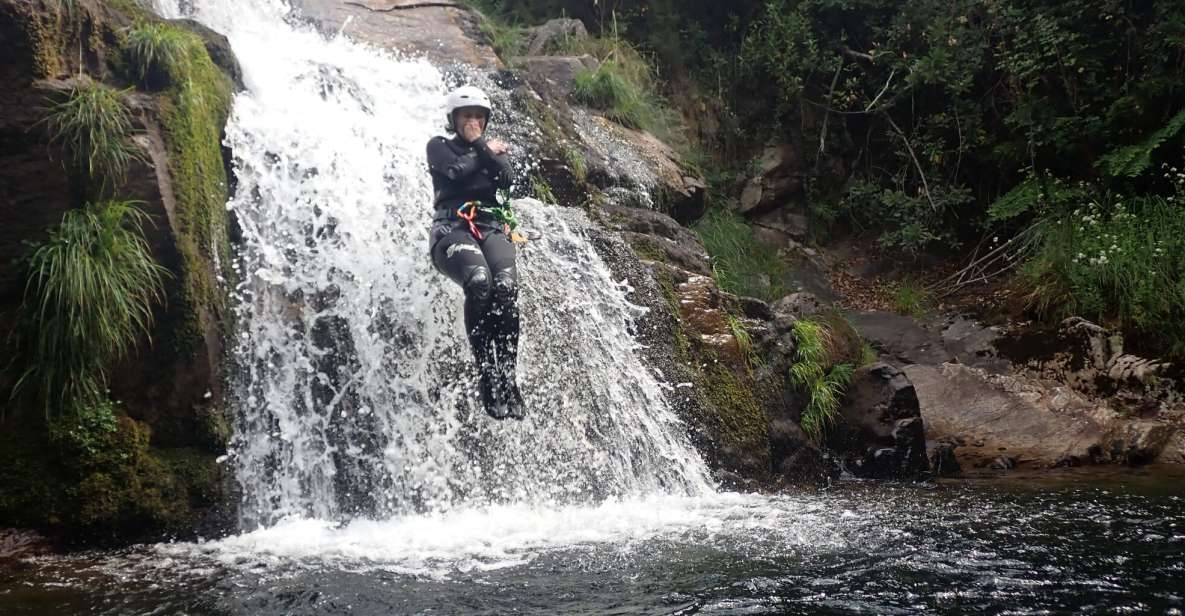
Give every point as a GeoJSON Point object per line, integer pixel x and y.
{"type": "Point", "coordinates": [1133, 160]}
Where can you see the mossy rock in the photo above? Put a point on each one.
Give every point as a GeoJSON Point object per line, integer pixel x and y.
{"type": "Point", "coordinates": [115, 490]}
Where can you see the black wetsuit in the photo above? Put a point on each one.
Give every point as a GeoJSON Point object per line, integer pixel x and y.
{"type": "Point", "coordinates": [463, 172]}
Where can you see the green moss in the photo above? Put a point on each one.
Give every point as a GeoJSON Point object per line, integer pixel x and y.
{"type": "Point", "coordinates": [197, 473]}
{"type": "Point", "coordinates": [648, 248]}
{"type": "Point", "coordinates": [194, 109]}
{"type": "Point", "coordinates": [741, 421]}
{"type": "Point", "coordinates": [99, 483]}
{"type": "Point", "coordinates": [43, 42]}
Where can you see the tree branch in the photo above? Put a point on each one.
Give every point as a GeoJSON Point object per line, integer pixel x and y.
{"type": "Point", "coordinates": [918, 165]}
{"type": "Point", "coordinates": [855, 55]}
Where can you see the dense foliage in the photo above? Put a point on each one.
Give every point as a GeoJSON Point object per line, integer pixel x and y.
{"type": "Point", "coordinates": [934, 124]}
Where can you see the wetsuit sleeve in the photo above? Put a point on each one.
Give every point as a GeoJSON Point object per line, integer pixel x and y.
{"type": "Point", "coordinates": [442, 160]}
{"type": "Point", "coordinates": [498, 164]}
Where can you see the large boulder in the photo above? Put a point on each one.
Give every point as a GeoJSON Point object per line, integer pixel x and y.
{"type": "Point", "coordinates": [171, 425]}
{"type": "Point", "coordinates": [880, 432]}
{"type": "Point", "coordinates": [552, 35]}
{"type": "Point", "coordinates": [1036, 423]}
{"type": "Point", "coordinates": [778, 183]}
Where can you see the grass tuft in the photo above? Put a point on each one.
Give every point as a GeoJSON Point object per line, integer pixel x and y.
{"type": "Point", "coordinates": [910, 298]}
{"type": "Point", "coordinates": [744, 343]}
{"type": "Point", "coordinates": [824, 386]}
{"type": "Point", "coordinates": [89, 294]}
{"type": "Point", "coordinates": [741, 264]}
{"type": "Point", "coordinates": [93, 127]}
{"type": "Point", "coordinates": [159, 52]}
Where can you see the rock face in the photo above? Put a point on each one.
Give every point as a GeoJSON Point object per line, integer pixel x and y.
{"type": "Point", "coordinates": [880, 433]}
{"type": "Point", "coordinates": [445, 35]}
{"type": "Point", "coordinates": [155, 470]}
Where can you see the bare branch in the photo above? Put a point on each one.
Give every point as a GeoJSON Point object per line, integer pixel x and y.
{"type": "Point", "coordinates": [918, 165]}
{"type": "Point", "coordinates": [892, 73]}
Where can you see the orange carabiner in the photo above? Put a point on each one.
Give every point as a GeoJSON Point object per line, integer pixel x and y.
{"type": "Point", "coordinates": [472, 207]}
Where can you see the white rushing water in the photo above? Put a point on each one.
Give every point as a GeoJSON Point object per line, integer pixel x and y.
{"type": "Point", "coordinates": [354, 394]}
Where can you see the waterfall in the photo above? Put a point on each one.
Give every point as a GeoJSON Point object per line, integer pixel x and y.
{"type": "Point", "coordinates": [353, 385]}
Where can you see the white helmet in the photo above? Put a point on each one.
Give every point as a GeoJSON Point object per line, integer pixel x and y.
{"type": "Point", "coordinates": [467, 96]}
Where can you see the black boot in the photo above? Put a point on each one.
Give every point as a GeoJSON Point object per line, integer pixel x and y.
{"type": "Point", "coordinates": [492, 395]}
{"type": "Point", "coordinates": [512, 399]}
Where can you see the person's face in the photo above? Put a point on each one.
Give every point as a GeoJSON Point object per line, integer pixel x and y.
{"type": "Point", "coordinates": [471, 122]}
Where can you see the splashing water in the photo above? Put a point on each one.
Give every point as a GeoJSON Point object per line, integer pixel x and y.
{"type": "Point", "coordinates": [355, 394]}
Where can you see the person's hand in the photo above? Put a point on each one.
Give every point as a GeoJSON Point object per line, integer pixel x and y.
{"type": "Point", "coordinates": [497, 146]}
{"type": "Point", "coordinates": [471, 130]}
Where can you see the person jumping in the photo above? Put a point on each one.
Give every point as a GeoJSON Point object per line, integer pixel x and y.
{"type": "Point", "coordinates": [471, 243]}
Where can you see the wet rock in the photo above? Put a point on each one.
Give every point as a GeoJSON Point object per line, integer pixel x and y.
{"type": "Point", "coordinates": [796, 460]}
{"type": "Point", "coordinates": [617, 156]}
{"type": "Point", "coordinates": [943, 462]}
{"type": "Point", "coordinates": [552, 35]}
{"type": "Point", "coordinates": [18, 543]}
{"type": "Point", "coordinates": [657, 237]}
{"type": "Point", "coordinates": [1003, 463]}
{"type": "Point", "coordinates": [880, 432]}
{"type": "Point", "coordinates": [552, 76]}
{"type": "Point", "coordinates": [1138, 442]}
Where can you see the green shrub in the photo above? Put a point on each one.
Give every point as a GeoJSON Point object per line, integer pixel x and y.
{"type": "Point", "coordinates": [1117, 261]}
{"type": "Point", "coordinates": [89, 294]}
{"type": "Point", "coordinates": [740, 263]}
{"type": "Point", "coordinates": [824, 384]}
{"type": "Point", "coordinates": [159, 51]}
{"type": "Point", "coordinates": [93, 127]}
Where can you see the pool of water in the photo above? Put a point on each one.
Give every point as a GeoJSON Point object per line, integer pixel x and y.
{"type": "Point", "coordinates": [1019, 548]}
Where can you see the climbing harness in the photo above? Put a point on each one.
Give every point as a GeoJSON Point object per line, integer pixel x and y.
{"type": "Point", "coordinates": [501, 213]}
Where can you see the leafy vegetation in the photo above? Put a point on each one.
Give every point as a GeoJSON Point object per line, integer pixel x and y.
{"type": "Point", "coordinates": [93, 127]}
{"type": "Point", "coordinates": [813, 374]}
{"type": "Point", "coordinates": [91, 288]}
{"type": "Point", "coordinates": [1116, 260]}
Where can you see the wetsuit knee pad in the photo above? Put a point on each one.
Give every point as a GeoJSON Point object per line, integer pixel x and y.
{"type": "Point", "coordinates": [505, 288]}
{"type": "Point", "coordinates": [477, 283]}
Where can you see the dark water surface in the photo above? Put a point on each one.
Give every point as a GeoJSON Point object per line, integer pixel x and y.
{"type": "Point", "coordinates": [1022, 548]}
